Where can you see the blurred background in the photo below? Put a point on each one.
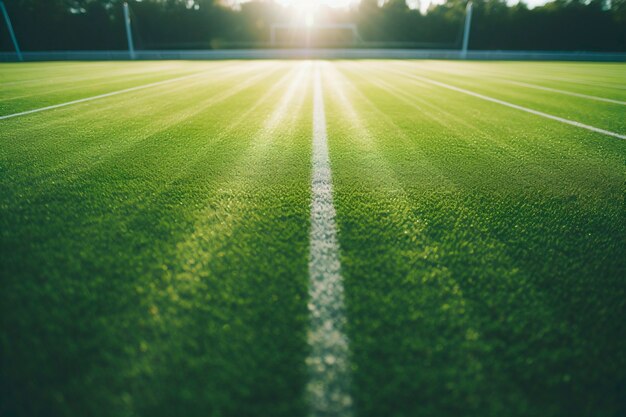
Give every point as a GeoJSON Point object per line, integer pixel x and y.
{"type": "Point", "coordinates": [563, 25]}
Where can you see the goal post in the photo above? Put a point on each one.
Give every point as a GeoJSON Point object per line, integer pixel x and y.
{"type": "Point", "coordinates": [5, 13]}
{"type": "Point", "coordinates": [129, 33]}
{"type": "Point", "coordinates": [466, 29]}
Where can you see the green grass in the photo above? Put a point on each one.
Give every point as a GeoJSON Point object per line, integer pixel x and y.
{"type": "Point", "coordinates": [155, 243]}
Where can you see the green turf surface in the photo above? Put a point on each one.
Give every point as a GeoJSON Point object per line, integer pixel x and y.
{"type": "Point", "coordinates": [155, 243]}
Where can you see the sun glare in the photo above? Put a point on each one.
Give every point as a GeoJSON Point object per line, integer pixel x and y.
{"type": "Point", "coordinates": [309, 19]}
{"type": "Point", "coordinates": [314, 4]}
{"type": "Point", "coordinates": [317, 3]}
{"type": "Point", "coordinates": [304, 12]}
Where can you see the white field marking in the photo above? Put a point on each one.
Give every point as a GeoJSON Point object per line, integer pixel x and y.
{"type": "Point", "coordinates": [328, 361]}
{"type": "Point", "coordinates": [586, 83]}
{"type": "Point", "coordinates": [529, 85]}
{"type": "Point", "coordinates": [515, 106]}
{"type": "Point", "coordinates": [61, 78]}
{"type": "Point", "coordinates": [569, 93]}
{"type": "Point", "coordinates": [113, 93]}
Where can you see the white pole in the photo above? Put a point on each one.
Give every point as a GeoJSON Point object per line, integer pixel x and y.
{"type": "Point", "coordinates": [129, 34]}
{"type": "Point", "coordinates": [10, 26]}
{"type": "Point", "coordinates": [466, 31]}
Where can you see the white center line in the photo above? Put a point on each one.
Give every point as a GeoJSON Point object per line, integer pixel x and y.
{"type": "Point", "coordinates": [328, 361]}
{"type": "Point", "coordinates": [515, 106]}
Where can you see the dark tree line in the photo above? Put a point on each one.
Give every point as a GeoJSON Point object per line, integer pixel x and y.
{"type": "Point", "coordinates": [567, 25]}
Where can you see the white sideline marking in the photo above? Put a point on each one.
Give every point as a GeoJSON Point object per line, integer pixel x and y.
{"type": "Point", "coordinates": [515, 106]}
{"type": "Point", "coordinates": [569, 93]}
{"type": "Point", "coordinates": [113, 93]}
{"type": "Point", "coordinates": [586, 83]}
{"type": "Point", "coordinates": [328, 362]}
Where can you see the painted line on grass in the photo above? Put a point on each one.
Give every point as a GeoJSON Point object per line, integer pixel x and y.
{"type": "Point", "coordinates": [113, 93]}
{"type": "Point", "coordinates": [569, 93]}
{"type": "Point", "coordinates": [328, 388]}
{"type": "Point", "coordinates": [515, 106]}
{"type": "Point", "coordinates": [586, 83]}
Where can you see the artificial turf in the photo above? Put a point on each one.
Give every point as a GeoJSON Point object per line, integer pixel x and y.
{"type": "Point", "coordinates": [155, 243]}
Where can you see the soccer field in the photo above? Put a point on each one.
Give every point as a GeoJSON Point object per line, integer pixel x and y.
{"type": "Point", "coordinates": [313, 238]}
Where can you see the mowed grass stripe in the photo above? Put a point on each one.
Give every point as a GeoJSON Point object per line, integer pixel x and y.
{"type": "Point", "coordinates": [100, 96]}
{"type": "Point", "coordinates": [171, 94]}
{"type": "Point", "coordinates": [434, 111]}
{"type": "Point", "coordinates": [383, 238]}
{"type": "Point", "coordinates": [600, 79]}
{"type": "Point", "coordinates": [144, 124]}
{"type": "Point", "coordinates": [43, 72]}
{"type": "Point", "coordinates": [136, 145]}
{"type": "Point", "coordinates": [447, 302]}
{"type": "Point", "coordinates": [209, 75]}
{"type": "Point", "coordinates": [569, 93]}
{"type": "Point", "coordinates": [477, 74]}
{"type": "Point", "coordinates": [95, 81]}
{"type": "Point", "coordinates": [253, 205]}
{"type": "Point", "coordinates": [512, 105]}
{"type": "Point", "coordinates": [536, 73]}
{"type": "Point", "coordinates": [601, 114]}
{"type": "Point", "coordinates": [40, 77]}
{"type": "Point", "coordinates": [329, 366]}
{"type": "Point", "coordinates": [197, 317]}
{"type": "Point", "coordinates": [438, 118]}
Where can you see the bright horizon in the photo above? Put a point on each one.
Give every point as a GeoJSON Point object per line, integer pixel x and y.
{"type": "Point", "coordinates": [308, 7]}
